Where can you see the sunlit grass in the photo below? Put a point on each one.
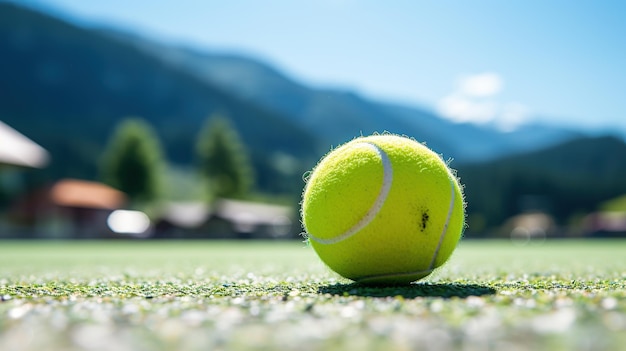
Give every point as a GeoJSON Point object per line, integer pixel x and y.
{"type": "Point", "coordinates": [202, 295]}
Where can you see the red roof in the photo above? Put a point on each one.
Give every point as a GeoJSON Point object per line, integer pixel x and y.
{"type": "Point", "coordinates": [81, 193]}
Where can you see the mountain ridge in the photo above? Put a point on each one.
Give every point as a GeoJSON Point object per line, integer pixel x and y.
{"type": "Point", "coordinates": [338, 115]}
{"type": "Point", "coordinates": [67, 87]}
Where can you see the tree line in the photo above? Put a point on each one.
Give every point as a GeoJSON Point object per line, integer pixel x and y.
{"type": "Point", "coordinates": [567, 181]}
{"type": "Point", "coordinates": [133, 161]}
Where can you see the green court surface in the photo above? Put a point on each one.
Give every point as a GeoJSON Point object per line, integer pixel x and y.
{"type": "Point", "coordinates": [273, 295]}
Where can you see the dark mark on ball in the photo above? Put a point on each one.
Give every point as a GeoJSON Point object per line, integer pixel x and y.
{"type": "Point", "coordinates": [424, 219]}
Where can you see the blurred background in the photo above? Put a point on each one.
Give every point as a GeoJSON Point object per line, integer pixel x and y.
{"type": "Point", "coordinates": [199, 119]}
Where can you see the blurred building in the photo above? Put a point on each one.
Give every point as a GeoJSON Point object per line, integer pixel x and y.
{"type": "Point", "coordinates": [69, 209]}
{"type": "Point", "coordinates": [530, 227]}
{"type": "Point", "coordinates": [17, 153]}
{"type": "Point", "coordinates": [226, 219]}
{"type": "Point", "coordinates": [607, 224]}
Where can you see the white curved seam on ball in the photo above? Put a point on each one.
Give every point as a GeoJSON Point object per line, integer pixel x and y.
{"type": "Point", "coordinates": [445, 226]}
{"type": "Point", "coordinates": [376, 206]}
{"type": "Point", "coordinates": [432, 263]}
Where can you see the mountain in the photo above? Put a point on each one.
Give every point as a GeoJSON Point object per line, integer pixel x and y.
{"type": "Point", "coordinates": [67, 87]}
{"type": "Point", "coordinates": [337, 116]}
{"type": "Point", "coordinates": [565, 180]}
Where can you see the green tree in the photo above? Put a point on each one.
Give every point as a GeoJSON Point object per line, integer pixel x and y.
{"type": "Point", "coordinates": [133, 161]}
{"type": "Point", "coordinates": [223, 160]}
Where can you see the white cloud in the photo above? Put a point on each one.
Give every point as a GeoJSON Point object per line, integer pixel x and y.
{"type": "Point", "coordinates": [481, 85]}
{"type": "Point", "coordinates": [513, 115]}
{"type": "Point", "coordinates": [476, 100]}
{"type": "Point", "coordinates": [462, 109]}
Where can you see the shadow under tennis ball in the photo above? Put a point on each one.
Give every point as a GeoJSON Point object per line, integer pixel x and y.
{"type": "Point", "coordinates": [409, 291]}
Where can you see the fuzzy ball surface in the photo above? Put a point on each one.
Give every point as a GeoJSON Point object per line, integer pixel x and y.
{"type": "Point", "coordinates": [383, 209]}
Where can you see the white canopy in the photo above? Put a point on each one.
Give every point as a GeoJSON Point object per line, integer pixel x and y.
{"type": "Point", "coordinates": [16, 149]}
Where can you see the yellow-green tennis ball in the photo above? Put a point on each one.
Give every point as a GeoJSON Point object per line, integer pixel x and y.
{"type": "Point", "coordinates": [383, 209]}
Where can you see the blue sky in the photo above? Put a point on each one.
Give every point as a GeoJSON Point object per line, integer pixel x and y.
{"type": "Point", "coordinates": [501, 62]}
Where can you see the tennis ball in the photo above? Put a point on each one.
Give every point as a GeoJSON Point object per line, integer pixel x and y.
{"type": "Point", "coordinates": [383, 209]}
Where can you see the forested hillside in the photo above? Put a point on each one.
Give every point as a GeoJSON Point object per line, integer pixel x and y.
{"type": "Point", "coordinates": [566, 180]}
{"type": "Point", "coordinates": [67, 87]}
